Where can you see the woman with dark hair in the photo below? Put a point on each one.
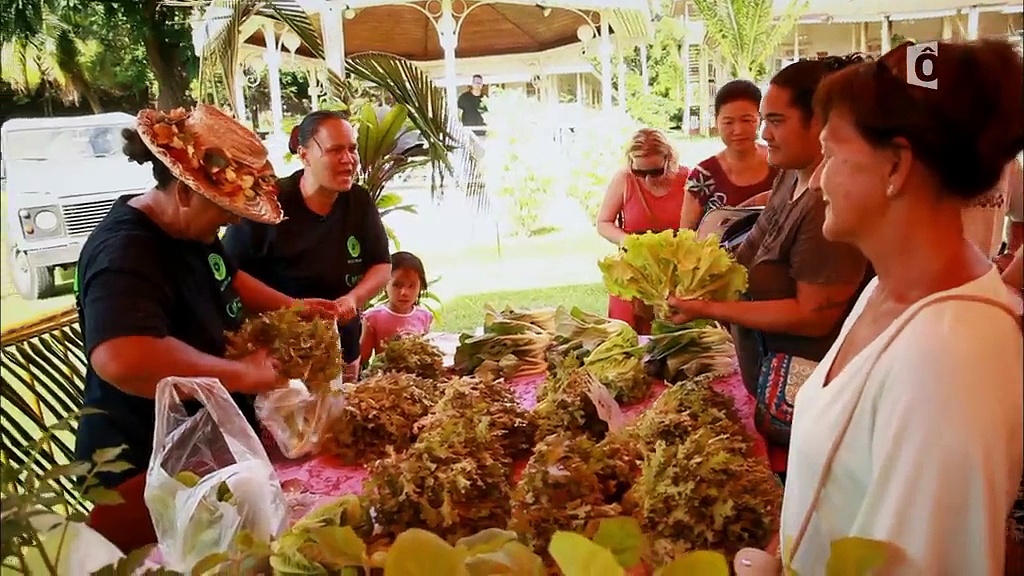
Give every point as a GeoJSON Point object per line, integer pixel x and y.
{"type": "Point", "coordinates": [738, 173]}
{"type": "Point", "coordinates": [333, 244]}
{"type": "Point", "coordinates": [909, 430]}
{"type": "Point", "coordinates": [801, 285]}
{"type": "Point", "coordinates": [155, 294]}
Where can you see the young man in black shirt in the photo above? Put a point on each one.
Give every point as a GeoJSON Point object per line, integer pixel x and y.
{"type": "Point", "coordinates": [471, 104]}
{"type": "Point", "coordinates": [332, 244]}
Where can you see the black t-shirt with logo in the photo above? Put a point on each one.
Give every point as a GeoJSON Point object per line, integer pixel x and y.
{"type": "Point", "coordinates": [133, 279]}
{"type": "Point", "coordinates": [312, 256]}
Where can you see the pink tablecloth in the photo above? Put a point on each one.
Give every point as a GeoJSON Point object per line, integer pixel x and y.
{"type": "Point", "coordinates": [309, 482]}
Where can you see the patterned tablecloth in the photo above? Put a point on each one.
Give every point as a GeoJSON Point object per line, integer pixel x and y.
{"type": "Point", "coordinates": [309, 482]}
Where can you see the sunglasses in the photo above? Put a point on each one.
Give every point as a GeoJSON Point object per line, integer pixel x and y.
{"type": "Point", "coordinates": [648, 173]}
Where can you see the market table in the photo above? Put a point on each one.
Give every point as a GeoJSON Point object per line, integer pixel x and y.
{"type": "Point", "coordinates": [309, 482]}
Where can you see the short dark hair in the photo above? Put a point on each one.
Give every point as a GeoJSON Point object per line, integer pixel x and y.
{"type": "Point", "coordinates": [409, 261]}
{"type": "Point", "coordinates": [475, 76]}
{"type": "Point", "coordinates": [737, 91]}
{"type": "Point", "coordinates": [802, 78]}
{"type": "Point", "coordinates": [305, 130]}
{"type": "Point", "coordinates": [964, 133]}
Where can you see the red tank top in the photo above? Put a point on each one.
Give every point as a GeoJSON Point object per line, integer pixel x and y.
{"type": "Point", "coordinates": [645, 212]}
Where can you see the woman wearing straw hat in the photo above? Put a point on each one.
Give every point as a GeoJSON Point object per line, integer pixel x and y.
{"type": "Point", "coordinates": [155, 292]}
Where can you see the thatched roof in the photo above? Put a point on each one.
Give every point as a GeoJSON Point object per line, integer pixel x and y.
{"type": "Point", "coordinates": [512, 27]}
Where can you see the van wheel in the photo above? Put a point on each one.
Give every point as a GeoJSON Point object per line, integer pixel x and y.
{"type": "Point", "coordinates": [31, 282]}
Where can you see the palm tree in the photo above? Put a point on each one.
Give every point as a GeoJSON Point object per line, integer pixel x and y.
{"type": "Point", "coordinates": [746, 33]}
{"type": "Point", "coordinates": [41, 51]}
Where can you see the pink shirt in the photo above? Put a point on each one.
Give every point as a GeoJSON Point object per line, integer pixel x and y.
{"type": "Point", "coordinates": [382, 324]}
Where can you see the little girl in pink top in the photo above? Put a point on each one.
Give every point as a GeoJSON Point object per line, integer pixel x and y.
{"type": "Point", "coordinates": [401, 313]}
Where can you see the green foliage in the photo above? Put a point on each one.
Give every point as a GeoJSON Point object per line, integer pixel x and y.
{"type": "Point", "coordinates": [522, 163]}
{"type": "Point", "coordinates": [597, 151]}
{"type": "Point", "coordinates": [745, 33]}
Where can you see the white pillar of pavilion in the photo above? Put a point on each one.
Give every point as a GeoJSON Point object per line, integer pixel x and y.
{"type": "Point", "coordinates": [239, 102]}
{"type": "Point", "coordinates": [973, 17]}
{"type": "Point", "coordinates": [332, 28]}
{"type": "Point", "coordinates": [447, 30]}
{"type": "Point", "coordinates": [272, 56]}
{"type": "Point", "coordinates": [314, 89]}
{"type": "Point", "coordinates": [886, 34]}
{"type": "Point", "coordinates": [605, 51]}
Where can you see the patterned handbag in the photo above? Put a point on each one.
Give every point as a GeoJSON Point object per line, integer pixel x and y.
{"type": "Point", "coordinates": [781, 377]}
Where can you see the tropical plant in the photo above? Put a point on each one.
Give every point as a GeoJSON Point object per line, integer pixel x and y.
{"type": "Point", "coordinates": [597, 151]}
{"type": "Point", "coordinates": [745, 33]}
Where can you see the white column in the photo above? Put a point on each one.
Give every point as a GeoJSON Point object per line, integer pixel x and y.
{"type": "Point", "coordinates": [314, 89]}
{"type": "Point", "coordinates": [947, 28]}
{"type": "Point", "coordinates": [605, 51]}
{"type": "Point", "coordinates": [272, 56]}
{"type": "Point", "coordinates": [864, 37]}
{"type": "Point", "coordinates": [332, 28]}
{"type": "Point", "coordinates": [972, 23]}
{"type": "Point", "coordinates": [239, 103]}
{"type": "Point", "coordinates": [645, 72]}
{"type": "Point", "coordinates": [853, 38]}
{"type": "Point", "coordinates": [622, 78]}
{"type": "Point", "coordinates": [579, 88]}
{"type": "Point", "coordinates": [449, 40]}
{"type": "Point", "coordinates": [796, 42]}
{"type": "Point", "coordinates": [886, 34]}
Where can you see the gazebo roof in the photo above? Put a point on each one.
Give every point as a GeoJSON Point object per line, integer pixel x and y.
{"type": "Point", "coordinates": [488, 29]}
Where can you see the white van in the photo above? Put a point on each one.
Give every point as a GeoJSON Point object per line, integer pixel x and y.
{"type": "Point", "coordinates": [61, 176]}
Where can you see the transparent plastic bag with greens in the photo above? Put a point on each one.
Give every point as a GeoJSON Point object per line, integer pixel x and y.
{"type": "Point", "coordinates": [298, 420]}
{"type": "Point", "coordinates": [655, 265]}
{"type": "Point", "coordinates": [209, 477]}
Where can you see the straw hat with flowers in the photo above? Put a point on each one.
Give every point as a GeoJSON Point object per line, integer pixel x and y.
{"type": "Point", "coordinates": [213, 154]}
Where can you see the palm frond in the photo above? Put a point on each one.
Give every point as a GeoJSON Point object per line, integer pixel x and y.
{"type": "Point", "coordinates": [220, 55]}
{"type": "Point", "coordinates": [746, 32]}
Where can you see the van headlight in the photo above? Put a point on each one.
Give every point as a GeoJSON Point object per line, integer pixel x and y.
{"type": "Point", "coordinates": [46, 220]}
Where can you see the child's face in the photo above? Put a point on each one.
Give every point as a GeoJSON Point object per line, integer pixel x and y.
{"type": "Point", "coordinates": [403, 289]}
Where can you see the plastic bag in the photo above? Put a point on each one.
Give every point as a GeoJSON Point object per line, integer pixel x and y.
{"type": "Point", "coordinates": [298, 420]}
{"type": "Point", "coordinates": [80, 549]}
{"type": "Point", "coordinates": [209, 477]}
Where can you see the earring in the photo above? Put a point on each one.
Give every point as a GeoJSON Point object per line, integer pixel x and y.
{"type": "Point", "coordinates": [890, 191]}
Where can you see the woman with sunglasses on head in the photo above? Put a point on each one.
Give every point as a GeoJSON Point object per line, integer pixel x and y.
{"type": "Point", "coordinates": [740, 174]}
{"type": "Point", "coordinates": [909, 430]}
{"type": "Point", "coordinates": [644, 196]}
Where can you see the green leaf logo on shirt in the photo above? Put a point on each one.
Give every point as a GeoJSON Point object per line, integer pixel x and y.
{"type": "Point", "coordinates": [353, 247]}
{"type": "Point", "coordinates": [220, 271]}
{"type": "Point", "coordinates": [234, 308]}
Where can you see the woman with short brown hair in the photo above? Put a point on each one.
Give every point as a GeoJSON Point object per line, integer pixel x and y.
{"type": "Point", "coordinates": [908, 431]}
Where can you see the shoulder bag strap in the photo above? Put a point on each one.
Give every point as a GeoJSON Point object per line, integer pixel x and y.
{"type": "Point", "coordinates": [830, 458]}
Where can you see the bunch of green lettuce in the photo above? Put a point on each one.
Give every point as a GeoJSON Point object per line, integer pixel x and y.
{"type": "Point", "coordinates": [618, 363]}
{"type": "Point", "coordinates": [655, 265]}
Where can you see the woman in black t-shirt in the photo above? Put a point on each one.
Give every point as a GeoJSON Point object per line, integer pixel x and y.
{"type": "Point", "coordinates": [155, 294]}
{"type": "Point", "coordinates": [333, 244]}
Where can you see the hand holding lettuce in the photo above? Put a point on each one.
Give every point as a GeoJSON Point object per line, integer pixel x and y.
{"type": "Point", "coordinates": [653, 266]}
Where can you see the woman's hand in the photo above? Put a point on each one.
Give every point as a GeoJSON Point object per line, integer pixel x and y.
{"type": "Point", "coordinates": [683, 311]}
{"type": "Point", "coordinates": [260, 373]}
{"type": "Point", "coordinates": [347, 308]}
{"type": "Point", "coordinates": [319, 308]}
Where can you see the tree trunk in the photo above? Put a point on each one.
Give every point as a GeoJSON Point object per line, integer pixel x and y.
{"type": "Point", "coordinates": [69, 64]}
{"type": "Point", "coordinates": [163, 59]}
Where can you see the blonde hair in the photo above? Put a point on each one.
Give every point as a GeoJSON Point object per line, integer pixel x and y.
{"type": "Point", "coordinates": [653, 142]}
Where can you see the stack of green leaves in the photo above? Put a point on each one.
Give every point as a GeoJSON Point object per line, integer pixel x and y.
{"type": "Point", "coordinates": [507, 348]}
{"type": "Point", "coordinates": [379, 415]}
{"type": "Point", "coordinates": [652, 266]}
{"type": "Point", "coordinates": [677, 352]}
{"type": "Point", "coordinates": [472, 406]}
{"type": "Point", "coordinates": [308, 349]}
{"type": "Point", "coordinates": [543, 318]}
{"type": "Point", "coordinates": [578, 333]}
{"type": "Point", "coordinates": [568, 482]}
{"type": "Point", "coordinates": [618, 363]}
{"type": "Point", "coordinates": [453, 490]}
{"type": "Point", "coordinates": [409, 354]}
{"type": "Point", "coordinates": [706, 494]}
{"type": "Point", "coordinates": [566, 406]}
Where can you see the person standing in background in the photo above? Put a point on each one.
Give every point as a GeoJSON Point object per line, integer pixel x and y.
{"type": "Point", "coordinates": [333, 244]}
{"type": "Point", "coordinates": [471, 105]}
{"type": "Point", "coordinates": [740, 172]}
